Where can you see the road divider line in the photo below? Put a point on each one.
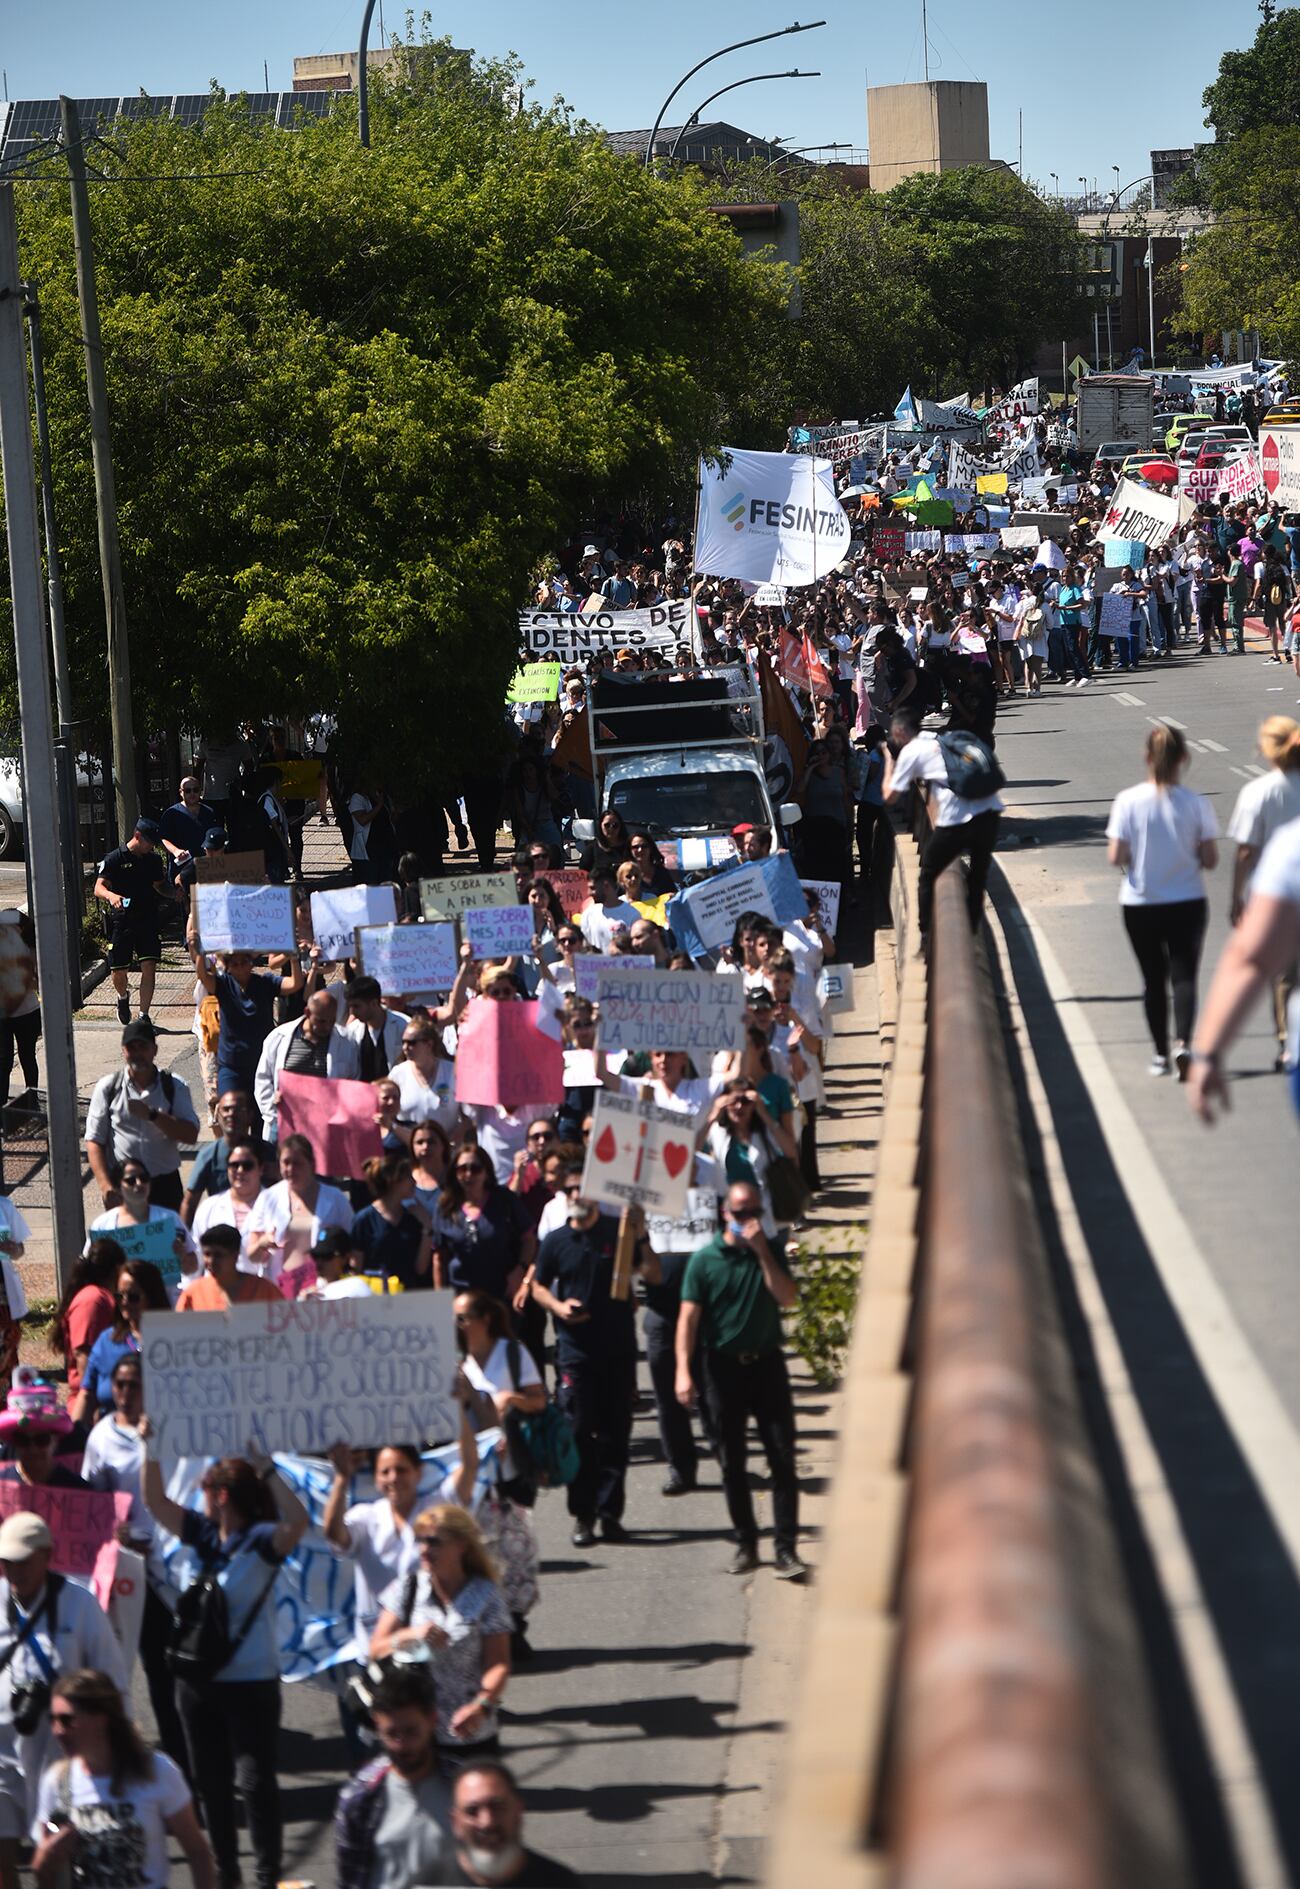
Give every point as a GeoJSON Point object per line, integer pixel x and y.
{"type": "Point", "coordinates": [1253, 767]}
{"type": "Point", "coordinates": [1215, 747]}
{"type": "Point", "coordinates": [1128, 698]}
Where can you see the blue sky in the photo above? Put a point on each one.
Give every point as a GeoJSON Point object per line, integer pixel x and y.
{"type": "Point", "coordinates": [1098, 85]}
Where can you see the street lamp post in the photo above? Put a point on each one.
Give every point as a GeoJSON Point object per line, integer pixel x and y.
{"type": "Point", "coordinates": [755, 79]}
{"type": "Point", "coordinates": [1056, 183]}
{"type": "Point", "coordinates": [363, 90]}
{"type": "Point", "coordinates": [757, 40]}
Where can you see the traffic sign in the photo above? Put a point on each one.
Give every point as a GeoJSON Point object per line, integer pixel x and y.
{"type": "Point", "coordinates": [1079, 367]}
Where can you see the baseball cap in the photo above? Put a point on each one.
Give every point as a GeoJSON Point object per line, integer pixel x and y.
{"type": "Point", "coordinates": [336, 1244]}
{"type": "Point", "coordinates": [24, 1534]}
{"type": "Point", "coordinates": [139, 1031]}
{"type": "Point", "coordinates": [215, 836]}
{"type": "Point", "coordinates": [745, 826]}
{"type": "Point", "coordinates": [148, 829]}
{"type": "Point", "coordinates": [760, 998]}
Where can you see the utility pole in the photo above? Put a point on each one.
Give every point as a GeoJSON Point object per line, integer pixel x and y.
{"type": "Point", "coordinates": [110, 554]}
{"type": "Point", "coordinates": [40, 788]}
{"type": "Point", "coordinates": [65, 748]}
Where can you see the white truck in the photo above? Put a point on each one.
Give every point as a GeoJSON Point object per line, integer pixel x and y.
{"type": "Point", "coordinates": [1115, 407]}
{"type": "Point", "coordinates": [686, 757]}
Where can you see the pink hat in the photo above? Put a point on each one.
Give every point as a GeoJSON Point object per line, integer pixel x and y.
{"type": "Point", "coordinates": [33, 1407]}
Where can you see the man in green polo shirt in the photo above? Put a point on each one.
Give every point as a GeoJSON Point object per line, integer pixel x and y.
{"type": "Point", "coordinates": [733, 1293]}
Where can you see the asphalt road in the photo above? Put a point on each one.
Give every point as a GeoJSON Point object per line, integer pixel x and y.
{"type": "Point", "coordinates": [1191, 1232]}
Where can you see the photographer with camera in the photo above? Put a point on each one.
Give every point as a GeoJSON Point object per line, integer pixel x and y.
{"type": "Point", "coordinates": [48, 1626]}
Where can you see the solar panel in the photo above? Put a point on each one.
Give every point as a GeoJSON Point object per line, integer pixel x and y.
{"type": "Point", "coordinates": [27, 122]}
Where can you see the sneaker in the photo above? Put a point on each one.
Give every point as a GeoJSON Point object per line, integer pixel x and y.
{"type": "Point", "coordinates": [1083, 682]}
{"type": "Point", "coordinates": [673, 1484]}
{"type": "Point", "coordinates": [745, 1559]}
{"type": "Point", "coordinates": [124, 1011]}
{"type": "Point", "coordinates": [788, 1565]}
{"type": "Point", "coordinates": [1275, 659]}
{"type": "Point", "coordinates": [1158, 1066]}
{"type": "Point", "coordinates": [583, 1536]}
{"type": "Point", "coordinates": [1182, 1061]}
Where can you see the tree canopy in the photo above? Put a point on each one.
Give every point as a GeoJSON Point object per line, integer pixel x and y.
{"type": "Point", "coordinates": [356, 395]}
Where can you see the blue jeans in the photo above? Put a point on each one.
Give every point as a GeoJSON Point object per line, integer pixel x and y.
{"type": "Point", "coordinates": [1126, 651]}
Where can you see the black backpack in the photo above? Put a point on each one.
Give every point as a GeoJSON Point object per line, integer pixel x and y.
{"type": "Point", "coordinates": [201, 1645]}
{"type": "Point", "coordinates": [164, 1075]}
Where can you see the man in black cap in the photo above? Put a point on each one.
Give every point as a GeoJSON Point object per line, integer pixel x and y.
{"type": "Point", "coordinates": [140, 1113]}
{"type": "Point", "coordinates": [131, 881]}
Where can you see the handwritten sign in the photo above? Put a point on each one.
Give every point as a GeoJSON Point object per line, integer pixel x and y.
{"type": "Point", "coordinates": [704, 916]}
{"type": "Point", "coordinates": [337, 915]}
{"type": "Point", "coordinates": [337, 1117]}
{"type": "Point", "coordinates": [408, 957]}
{"type": "Point", "coordinates": [697, 1011]}
{"type": "Point", "coordinates": [1116, 613]}
{"type": "Point", "coordinates": [535, 682]}
{"type": "Point", "coordinates": [474, 891]}
{"type": "Point", "coordinates": [230, 868]}
{"type": "Point", "coordinates": [80, 1520]}
{"type": "Point", "coordinates": [639, 1155]}
{"type": "Point", "coordinates": [588, 966]}
{"type": "Point", "coordinates": [1122, 551]}
{"type": "Point", "coordinates": [154, 1240]}
{"type": "Point", "coordinates": [828, 900]}
{"type": "Point", "coordinates": [500, 931]}
{"type": "Point", "coordinates": [503, 1059]}
{"type": "Point", "coordinates": [301, 1375]}
{"type": "Point", "coordinates": [245, 917]}
{"type": "Point", "coordinates": [571, 886]}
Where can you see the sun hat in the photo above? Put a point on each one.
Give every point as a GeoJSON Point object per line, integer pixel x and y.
{"type": "Point", "coordinates": [32, 1408]}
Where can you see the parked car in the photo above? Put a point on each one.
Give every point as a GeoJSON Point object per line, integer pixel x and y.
{"type": "Point", "coordinates": [1182, 424]}
{"type": "Point", "coordinates": [11, 804]}
{"type": "Point", "coordinates": [1111, 454]}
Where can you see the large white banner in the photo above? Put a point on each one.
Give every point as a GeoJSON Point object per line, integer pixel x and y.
{"type": "Point", "coordinates": [1241, 478]}
{"type": "Point", "coordinates": [772, 518]}
{"type": "Point", "coordinates": [1138, 511]}
{"type": "Point", "coordinates": [566, 637]}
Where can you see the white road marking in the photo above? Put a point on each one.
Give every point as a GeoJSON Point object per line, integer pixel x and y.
{"type": "Point", "coordinates": [1253, 767]}
{"type": "Point", "coordinates": [1240, 770]}
{"type": "Point", "coordinates": [1197, 747]}
{"type": "Point", "coordinates": [1231, 1753]}
{"type": "Point", "coordinates": [1129, 700]}
{"type": "Point", "coordinates": [1170, 721]}
{"type": "Point", "coordinates": [1215, 747]}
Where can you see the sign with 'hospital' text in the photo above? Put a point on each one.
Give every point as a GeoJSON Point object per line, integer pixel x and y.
{"type": "Point", "coordinates": [770, 518]}
{"type": "Point", "coordinates": [1139, 512]}
{"type": "Point", "coordinates": [301, 1375]}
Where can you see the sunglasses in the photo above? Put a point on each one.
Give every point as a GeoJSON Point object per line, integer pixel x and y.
{"type": "Point", "coordinates": [468, 1318]}
{"type": "Point", "coordinates": [63, 1718]}
{"type": "Point", "coordinates": [240, 1167]}
{"type": "Point", "coordinates": [573, 1187]}
{"type": "Point", "coordinates": [135, 1180]}
{"type": "Point", "coordinates": [543, 1134]}
{"type": "Point", "coordinates": [131, 1297]}
{"type": "Point", "coordinates": [416, 1042]}
{"type": "Point", "coordinates": [471, 1167]}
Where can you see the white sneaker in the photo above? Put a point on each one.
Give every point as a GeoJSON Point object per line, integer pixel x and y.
{"type": "Point", "coordinates": [1158, 1066]}
{"type": "Point", "coordinates": [1083, 682]}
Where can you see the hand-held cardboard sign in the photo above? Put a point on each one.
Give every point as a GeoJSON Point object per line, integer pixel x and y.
{"type": "Point", "coordinates": [337, 1117]}
{"type": "Point", "coordinates": [503, 1059]}
{"type": "Point", "coordinates": [639, 1155]}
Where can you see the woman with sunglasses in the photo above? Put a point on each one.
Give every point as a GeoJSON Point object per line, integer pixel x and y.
{"type": "Point", "coordinates": [656, 880]}
{"type": "Point", "coordinates": [561, 970]}
{"type": "Point", "coordinates": [111, 1798]}
{"type": "Point", "coordinates": [460, 1621]}
{"type": "Point", "coordinates": [114, 1462]}
{"type": "Point", "coordinates": [233, 1207]}
{"type": "Point", "coordinates": [246, 999]}
{"type": "Point", "coordinates": [425, 1078]}
{"type": "Point", "coordinates": [744, 1138]}
{"type": "Point", "coordinates": [292, 1215]}
{"type": "Point", "coordinates": [481, 1240]}
{"type": "Point", "coordinates": [140, 1289]}
{"type": "Point", "coordinates": [137, 1211]}
{"type": "Point", "coordinates": [610, 847]}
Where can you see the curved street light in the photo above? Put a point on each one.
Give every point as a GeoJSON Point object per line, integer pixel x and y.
{"type": "Point", "coordinates": [363, 93]}
{"type": "Point", "coordinates": [755, 78]}
{"type": "Point", "coordinates": [758, 40]}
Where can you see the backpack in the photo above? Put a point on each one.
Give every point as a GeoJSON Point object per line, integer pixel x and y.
{"type": "Point", "coordinates": [973, 771]}
{"type": "Point", "coordinates": [201, 1645]}
{"type": "Point", "coordinates": [1276, 595]}
{"type": "Point", "coordinates": [164, 1075]}
{"type": "Point", "coordinates": [359, 1688]}
{"type": "Point", "coordinates": [544, 1440]}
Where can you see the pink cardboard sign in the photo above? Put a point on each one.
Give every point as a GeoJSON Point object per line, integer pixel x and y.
{"type": "Point", "coordinates": [80, 1520]}
{"type": "Point", "coordinates": [338, 1119]}
{"type": "Point", "coordinates": [503, 1059]}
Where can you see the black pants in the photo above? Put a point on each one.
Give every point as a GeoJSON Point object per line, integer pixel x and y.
{"type": "Point", "coordinates": [869, 819]}
{"type": "Point", "coordinates": [596, 1394]}
{"type": "Point", "coordinates": [233, 1734]}
{"type": "Point", "coordinates": [1166, 941]}
{"type": "Point", "coordinates": [165, 1190]}
{"type": "Point", "coordinates": [675, 1432]}
{"type": "Point", "coordinates": [823, 847]}
{"type": "Point", "coordinates": [21, 1034]}
{"type": "Point", "coordinates": [155, 1634]}
{"type": "Point", "coordinates": [976, 838]}
{"type": "Point", "coordinates": [759, 1389]}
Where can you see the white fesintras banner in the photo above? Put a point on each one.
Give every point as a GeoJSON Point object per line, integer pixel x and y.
{"type": "Point", "coordinates": [1139, 512]}
{"type": "Point", "coordinates": [555, 633]}
{"type": "Point", "coordinates": [770, 517]}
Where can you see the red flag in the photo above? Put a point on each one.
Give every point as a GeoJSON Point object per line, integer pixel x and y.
{"type": "Point", "coordinates": [791, 660]}
{"type": "Point", "coordinates": [815, 669]}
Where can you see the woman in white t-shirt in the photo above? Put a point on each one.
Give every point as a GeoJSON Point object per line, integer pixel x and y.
{"type": "Point", "coordinates": [233, 1207]}
{"type": "Point", "coordinates": [1266, 804]}
{"type": "Point", "coordinates": [109, 1798]}
{"type": "Point", "coordinates": [1163, 838]}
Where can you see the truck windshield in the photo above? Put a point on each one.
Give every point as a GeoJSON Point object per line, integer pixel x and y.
{"type": "Point", "coordinates": [674, 806]}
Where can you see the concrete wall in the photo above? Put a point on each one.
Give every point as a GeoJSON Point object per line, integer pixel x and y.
{"type": "Point", "coordinates": [936, 126]}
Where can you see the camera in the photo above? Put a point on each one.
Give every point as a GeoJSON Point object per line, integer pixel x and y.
{"type": "Point", "coordinates": [28, 1705]}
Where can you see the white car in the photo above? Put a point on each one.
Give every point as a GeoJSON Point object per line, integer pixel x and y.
{"type": "Point", "coordinates": [11, 804]}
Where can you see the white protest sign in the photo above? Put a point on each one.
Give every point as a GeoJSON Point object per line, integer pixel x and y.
{"type": "Point", "coordinates": [963, 542]}
{"type": "Point", "coordinates": [301, 1375]}
{"type": "Point", "coordinates": [245, 917]}
{"type": "Point", "coordinates": [828, 900]}
{"type": "Point", "coordinates": [471, 892]}
{"type": "Point", "coordinates": [639, 1155]}
{"type": "Point", "coordinates": [835, 988]}
{"type": "Point", "coordinates": [337, 915]}
{"type": "Point", "coordinates": [770, 596]}
{"type": "Point", "coordinates": [588, 966]}
{"type": "Point", "coordinates": [1139, 511]}
{"type": "Point", "coordinates": [1116, 613]}
{"type": "Point", "coordinates": [773, 518]}
{"type": "Point", "coordinates": [716, 904]}
{"type": "Point", "coordinates": [964, 468]}
{"type": "Point", "coordinates": [500, 931]}
{"type": "Point", "coordinates": [1241, 479]}
{"type": "Point", "coordinates": [922, 541]}
{"type": "Point", "coordinates": [565, 637]}
{"type": "Point", "coordinates": [408, 957]}
{"type": "Point", "coordinates": [1019, 537]}
{"type": "Point", "coordinates": [1022, 464]}
{"type": "Point", "coordinates": [1050, 555]}
{"type": "Point", "coordinates": [697, 1011]}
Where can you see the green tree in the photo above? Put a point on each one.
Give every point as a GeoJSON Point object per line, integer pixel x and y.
{"type": "Point", "coordinates": [1240, 272]}
{"type": "Point", "coordinates": [357, 395]}
{"type": "Point", "coordinates": [1260, 86]}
